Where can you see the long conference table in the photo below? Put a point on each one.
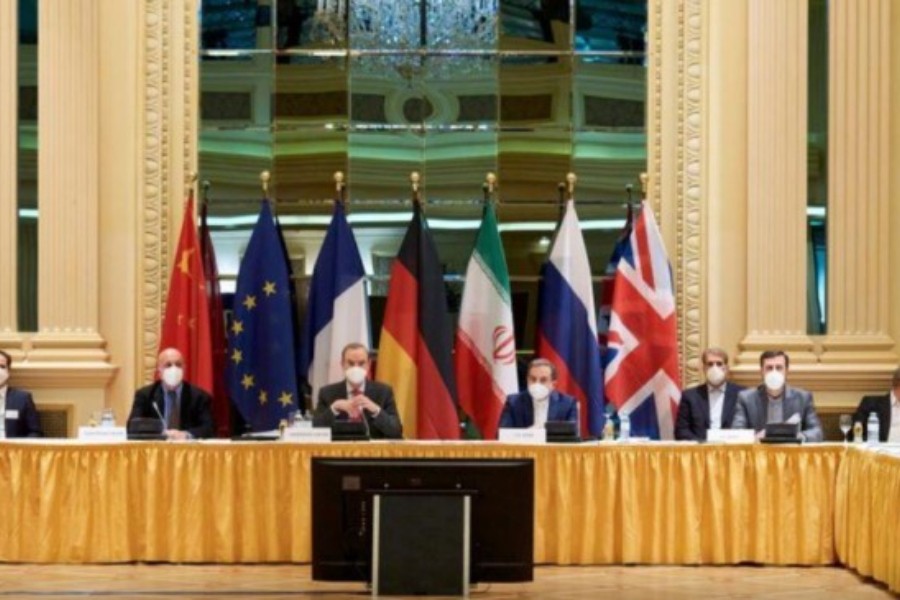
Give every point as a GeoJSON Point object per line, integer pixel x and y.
{"type": "Point", "coordinates": [599, 503]}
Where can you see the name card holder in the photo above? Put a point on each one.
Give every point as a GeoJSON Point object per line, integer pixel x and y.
{"type": "Point", "coordinates": [731, 436]}
{"type": "Point", "coordinates": [307, 435]}
{"type": "Point", "coordinates": [102, 434]}
{"type": "Point", "coordinates": [522, 436]}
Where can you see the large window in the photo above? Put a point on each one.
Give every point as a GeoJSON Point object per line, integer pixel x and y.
{"type": "Point", "coordinates": [529, 89]}
{"type": "Point", "coordinates": [27, 165]}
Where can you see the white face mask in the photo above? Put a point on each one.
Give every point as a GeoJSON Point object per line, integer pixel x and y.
{"type": "Point", "coordinates": [715, 375]}
{"type": "Point", "coordinates": [355, 375]}
{"type": "Point", "coordinates": [172, 376]}
{"type": "Point", "coordinates": [538, 391]}
{"type": "Point", "coordinates": [774, 380]}
{"type": "Point", "coordinates": [4, 375]}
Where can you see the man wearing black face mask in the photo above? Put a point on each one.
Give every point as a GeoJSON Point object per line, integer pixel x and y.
{"type": "Point", "coordinates": [19, 415]}
{"type": "Point", "coordinates": [184, 408]}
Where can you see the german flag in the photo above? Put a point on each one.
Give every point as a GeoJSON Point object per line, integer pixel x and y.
{"type": "Point", "coordinates": [415, 350]}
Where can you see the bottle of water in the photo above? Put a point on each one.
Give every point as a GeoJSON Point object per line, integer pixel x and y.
{"type": "Point", "coordinates": [872, 429]}
{"type": "Point", "coordinates": [624, 427]}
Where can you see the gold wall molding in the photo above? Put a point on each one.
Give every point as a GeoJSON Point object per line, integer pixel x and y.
{"type": "Point", "coordinates": [170, 89]}
{"type": "Point", "coordinates": [676, 136]}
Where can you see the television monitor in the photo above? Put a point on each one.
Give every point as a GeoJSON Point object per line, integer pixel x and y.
{"type": "Point", "coordinates": [501, 519]}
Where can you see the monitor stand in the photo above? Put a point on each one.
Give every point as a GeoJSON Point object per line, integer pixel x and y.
{"type": "Point", "coordinates": [420, 543]}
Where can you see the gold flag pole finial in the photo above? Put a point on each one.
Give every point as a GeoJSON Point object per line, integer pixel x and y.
{"type": "Point", "coordinates": [191, 181]}
{"type": "Point", "coordinates": [490, 186]}
{"type": "Point", "coordinates": [571, 179]}
{"type": "Point", "coordinates": [415, 180]}
{"type": "Point", "coordinates": [264, 179]}
{"type": "Point", "coordinates": [339, 186]}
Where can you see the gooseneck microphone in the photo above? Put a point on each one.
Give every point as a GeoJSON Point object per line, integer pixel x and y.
{"type": "Point", "coordinates": [160, 415]}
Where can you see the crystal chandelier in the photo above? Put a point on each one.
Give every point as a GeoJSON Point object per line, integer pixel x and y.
{"type": "Point", "coordinates": [452, 38]}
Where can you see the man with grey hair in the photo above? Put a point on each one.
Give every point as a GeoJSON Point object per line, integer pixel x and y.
{"type": "Point", "coordinates": [711, 404]}
{"type": "Point", "coordinates": [887, 407]}
{"type": "Point", "coordinates": [541, 402]}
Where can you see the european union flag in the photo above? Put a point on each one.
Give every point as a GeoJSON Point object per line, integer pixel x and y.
{"type": "Point", "coordinates": [262, 368]}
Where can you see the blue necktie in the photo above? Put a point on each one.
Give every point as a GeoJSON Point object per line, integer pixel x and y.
{"type": "Point", "coordinates": [172, 416]}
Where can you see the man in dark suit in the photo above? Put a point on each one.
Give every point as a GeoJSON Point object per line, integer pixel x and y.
{"type": "Point", "coordinates": [17, 406]}
{"type": "Point", "coordinates": [541, 402]}
{"type": "Point", "coordinates": [776, 402]}
{"type": "Point", "coordinates": [709, 405]}
{"type": "Point", "coordinates": [357, 397]}
{"type": "Point", "coordinates": [183, 407]}
{"type": "Point", "coordinates": [887, 407]}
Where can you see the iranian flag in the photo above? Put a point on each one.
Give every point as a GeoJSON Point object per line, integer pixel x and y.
{"type": "Point", "coordinates": [485, 340]}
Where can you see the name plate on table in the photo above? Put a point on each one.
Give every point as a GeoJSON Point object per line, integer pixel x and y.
{"type": "Point", "coordinates": [316, 435]}
{"type": "Point", "coordinates": [522, 436]}
{"type": "Point", "coordinates": [102, 434]}
{"type": "Point", "coordinates": [731, 436]}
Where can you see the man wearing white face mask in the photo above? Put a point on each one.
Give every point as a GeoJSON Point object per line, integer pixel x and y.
{"type": "Point", "coordinates": [541, 403]}
{"type": "Point", "coordinates": [18, 415]}
{"type": "Point", "coordinates": [711, 404]}
{"type": "Point", "coordinates": [358, 397]}
{"type": "Point", "coordinates": [776, 402]}
{"type": "Point", "coordinates": [183, 407]}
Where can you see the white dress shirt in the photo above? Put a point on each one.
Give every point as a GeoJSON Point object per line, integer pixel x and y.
{"type": "Point", "coordinates": [716, 404]}
{"type": "Point", "coordinates": [894, 434]}
{"type": "Point", "coordinates": [540, 407]}
{"type": "Point", "coordinates": [3, 410]}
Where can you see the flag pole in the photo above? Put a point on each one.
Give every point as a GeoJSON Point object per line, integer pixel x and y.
{"type": "Point", "coordinates": [571, 179]}
{"type": "Point", "coordinates": [414, 180]}
{"type": "Point", "coordinates": [264, 178]}
{"type": "Point", "coordinates": [489, 186]}
{"type": "Point", "coordinates": [205, 185]}
{"type": "Point", "coordinates": [340, 187]}
{"type": "Point", "coordinates": [191, 182]}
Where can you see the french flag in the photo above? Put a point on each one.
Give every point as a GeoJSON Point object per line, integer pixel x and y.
{"type": "Point", "coordinates": [567, 322]}
{"type": "Point", "coordinates": [338, 288]}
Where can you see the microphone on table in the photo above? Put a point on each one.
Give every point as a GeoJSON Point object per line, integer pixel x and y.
{"type": "Point", "coordinates": [160, 415]}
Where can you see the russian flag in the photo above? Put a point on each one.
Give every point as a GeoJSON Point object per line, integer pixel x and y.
{"type": "Point", "coordinates": [338, 287]}
{"type": "Point", "coordinates": [567, 322]}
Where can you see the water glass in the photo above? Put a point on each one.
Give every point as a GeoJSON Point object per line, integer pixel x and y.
{"type": "Point", "coordinates": [846, 423]}
{"type": "Point", "coordinates": [108, 418]}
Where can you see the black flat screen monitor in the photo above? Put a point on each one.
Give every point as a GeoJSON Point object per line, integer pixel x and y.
{"type": "Point", "coordinates": [502, 512]}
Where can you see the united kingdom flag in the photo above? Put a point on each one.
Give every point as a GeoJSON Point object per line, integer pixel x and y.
{"type": "Point", "coordinates": [641, 376]}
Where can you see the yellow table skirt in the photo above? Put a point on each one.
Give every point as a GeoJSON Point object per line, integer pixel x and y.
{"type": "Point", "coordinates": [867, 520]}
{"type": "Point", "coordinates": [597, 504]}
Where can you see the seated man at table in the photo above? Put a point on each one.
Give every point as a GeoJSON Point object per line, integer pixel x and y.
{"type": "Point", "coordinates": [20, 416]}
{"type": "Point", "coordinates": [776, 402]}
{"type": "Point", "coordinates": [541, 402]}
{"type": "Point", "coordinates": [358, 398]}
{"type": "Point", "coordinates": [711, 404]}
{"type": "Point", "coordinates": [887, 407]}
{"type": "Point", "coordinates": [184, 408]}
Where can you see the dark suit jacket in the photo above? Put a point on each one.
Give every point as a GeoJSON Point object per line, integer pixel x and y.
{"type": "Point", "coordinates": [518, 411]}
{"type": "Point", "coordinates": [752, 411]}
{"type": "Point", "coordinates": [27, 424]}
{"type": "Point", "coordinates": [385, 425]}
{"type": "Point", "coordinates": [196, 412]}
{"type": "Point", "coordinates": [881, 406]}
{"type": "Point", "coordinates": [693, 411]}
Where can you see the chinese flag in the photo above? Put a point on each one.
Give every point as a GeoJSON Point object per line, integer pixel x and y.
{"type": "Point", "coordinates": [186, 323]}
